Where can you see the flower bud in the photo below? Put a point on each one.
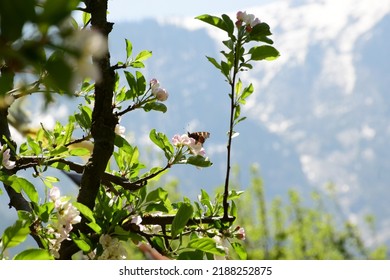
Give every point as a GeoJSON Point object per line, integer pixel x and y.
{"type": "Point", "coordinates": [154, 84]}
{"type": "Point", "coordinates": [241, 15]}
{"type": "Point", "coordinates": [239, 233]}
{"type": "Point", "coordinates": [161, 94]}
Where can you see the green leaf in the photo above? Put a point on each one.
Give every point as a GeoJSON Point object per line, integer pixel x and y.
{"type": "Point", "coordinates": [158, 194]}
{"type": "Point", "coordinates": [44, 211]}
{"type": "Point", "coordinates": [233, 194]}
{"type": "Point", "coordinates": [79, 152]}
{"type": "Point", "coordinates": [156, 207]}
{"type": "Point", "coordinates": [158, 243]}
{"type": "Point", "coordinates": [238, 86]}
{"type": "Point", "coordinates": [214, 21]}
{"type": "Point", "coordinates": [120, 95]}
{"type": "Point", "coordinates": [156, 106]}
{"type": "Point", "coordinates": [260, 32]}
{"type": "Point", "coordinates": [95, 227]}
{"type": "Point", "coordinates": [225, 68]}
{"type": "Point", "coordinates": [87, 213]}
{"type": "Point", "coordinates": [246, 93]}
{"type": "Point", "coordinates": [183, 215]}
{"type": "Point", "coordinates": [122, 143]}
{"type": "Point", "coordinates": [162, 142]}
{"type": "Point", "coordinates": [237, 112]}
{"type": "Point", "coordinates": [239, 120]}
{"type": "Point", "coordinates": [199, 161]}
{"type": "Point", "coordinates": [87, 87]}
{"type": "Point", "coordinates": [15, 234]}
{"type": "Point", "coordinates": [86, 18]}
{"type": "Point", "coordinates": [34, 146]}
{"type": "Point", "coordinates": [233, 209]}
{"type": "Point", "coordinates": [82, 244]}
{"type": "Point", "coordinates": [143, 55]}
{"type": "Point", "coordinates": [207, 245]}
{"type": "Point", "coordinates": [34, 254]}
{"type": "Point", "coordinates": [240, 250]}
{"type": "Point", "coordinates": [214, 62]}
{"type": "Point", "coordinates": [129, 48]}
{"type": "Point", "coordinates": [191, 255]}
{"type": "Point", "coordinates": [229, 24]}
{"type": "Point", "coordinates": [26, 216]}
{"type": "Point", "coordinates": [18, 184]}
{"type": "Point", "coordinates": [84, 117]}
{"type": "Point", "coordinates": [51, 179]}
{"type": "Point", "coordinates": [205, 200]}
{"type": "Point", "coordinates": [263, 52]}
{"type": "Point", "coordinates": [133, 87]}
{"type": "Point", "coordinates": [117, 81]}
{"type": "Point", "coordinates": [141, 83]}
{"type": "Point", "coordinates": [137, 64]}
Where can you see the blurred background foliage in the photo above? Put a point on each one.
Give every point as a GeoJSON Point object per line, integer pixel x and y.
{"type": "Point", "coordinates": [292, 227]}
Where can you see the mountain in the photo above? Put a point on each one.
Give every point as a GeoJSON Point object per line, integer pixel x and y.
{"type": "Point", "coordinates": [319, 114]}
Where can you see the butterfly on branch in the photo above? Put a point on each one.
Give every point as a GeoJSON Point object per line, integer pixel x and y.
{"type": "Point", "coordinates": [200, 137]}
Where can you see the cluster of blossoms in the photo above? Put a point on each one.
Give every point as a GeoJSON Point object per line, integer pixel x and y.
{"type": "Point", "coordinates": [248, 19]}
{"type": "Point", "coordinates": [5, 154]}
{"type": "Point", "coordinates": [160, 93]}
{"type": "Point", "coordinates": [113, 249]}
{"type": "Point", "coordinates": [222, 239]}
{"type": "Point", "coordinates": [184, 140]}
{"type": "Point", "coordinates": [66, 216]}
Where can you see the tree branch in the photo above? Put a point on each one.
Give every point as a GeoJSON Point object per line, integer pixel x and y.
{"type": "Point", "coordinates": [103, 122]}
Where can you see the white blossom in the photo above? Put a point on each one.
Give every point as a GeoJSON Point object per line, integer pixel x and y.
{"type": "Point", "coordinates": [112, 248]}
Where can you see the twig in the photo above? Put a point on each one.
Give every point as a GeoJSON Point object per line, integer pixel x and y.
{"type": "Point", "coordinates": [107, 178]}
{"type": "Point", "coordinates": [231, 124]}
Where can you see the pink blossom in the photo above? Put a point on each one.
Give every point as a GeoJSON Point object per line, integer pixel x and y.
{"type": "Point", "coordinates": [197, 149]}
{"type": "Point", "coordinates": [255, 22]}
{"type": "Point", "coordinates": [241, 15]}
{"type": "Point", "coordinates": [154, 84]}
{"type": "Point", "coordinates": [182, 140]}
{"type": "Point", "coordinates": [160, 93]}
{"type": "Point", "coordinates": [239, 233]}
{"type": "Point", "coordinates": [249, 19]}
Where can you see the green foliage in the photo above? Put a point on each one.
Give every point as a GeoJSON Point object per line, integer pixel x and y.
{"type": "Point", "coordinates": [14, 235]}
{"type": "Point", "coordinates": [183, 215]}
{"type": "Point", "coordinates": [275, 230]}
{"type": "Point", "coordinates": [20, 52]}
{"type": "Point", "coordinates": [34, 254]}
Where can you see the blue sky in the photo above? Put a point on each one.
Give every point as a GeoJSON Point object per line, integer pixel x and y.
{"type": "Point", "coordinates": [126, 10]}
